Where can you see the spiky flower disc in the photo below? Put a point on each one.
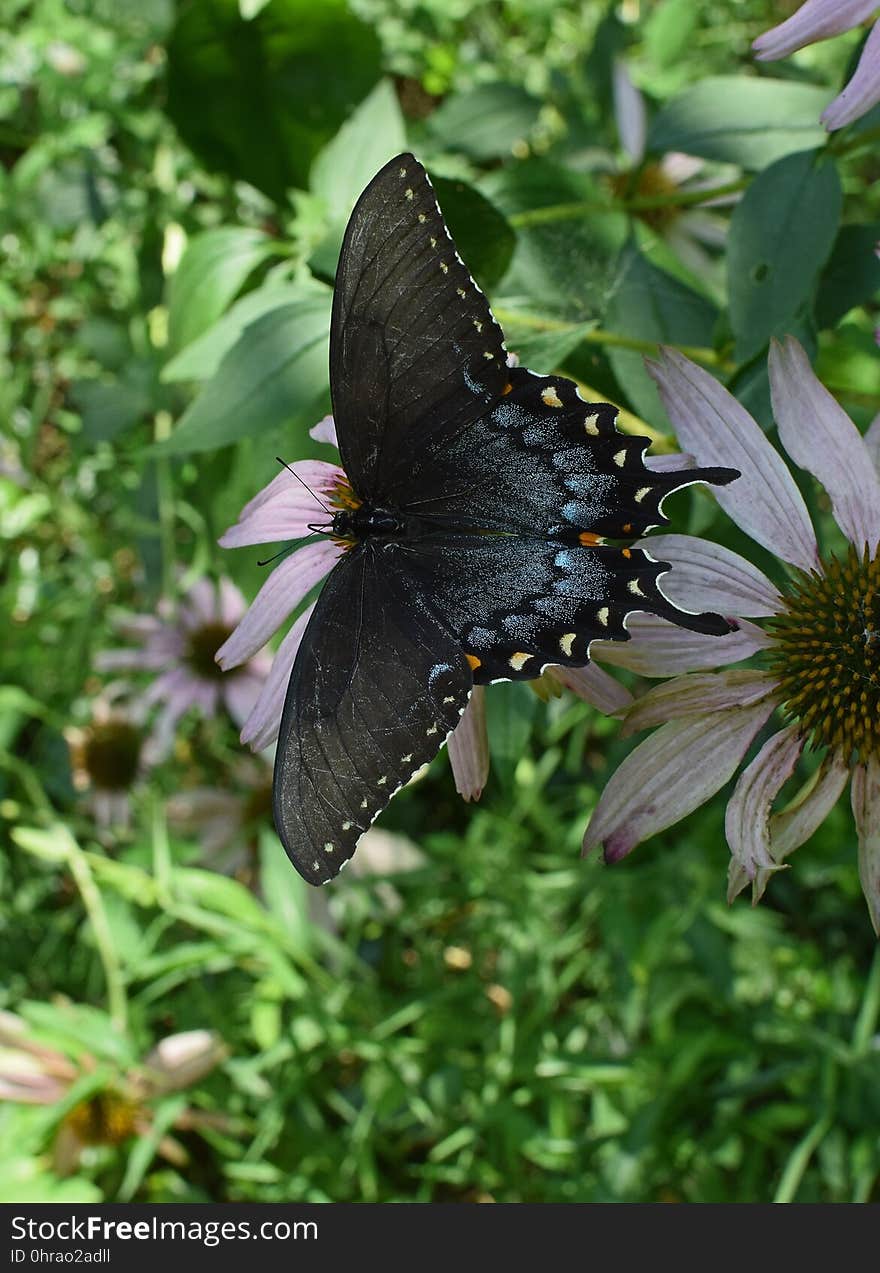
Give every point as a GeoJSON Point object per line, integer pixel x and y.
{"type": "Point", "coordinates": [826, 655]}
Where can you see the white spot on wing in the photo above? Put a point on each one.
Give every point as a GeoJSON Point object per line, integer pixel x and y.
{"type": "Point", "coordinates": [619, 458]}
{"type": "Point", "coordinates": [550, 397]}
{"type": "Point", "coordinates": [602, 616]}
{"type": "Point", "coordinates": [591, 424]}
{"type": "Point", "coordinates": [566, 642]}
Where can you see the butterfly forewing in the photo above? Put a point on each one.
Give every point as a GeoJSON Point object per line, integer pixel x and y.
{"type": "Point", "coordinates": [378, 684]}
{"type": "Point", "coordinates": [413, 344]}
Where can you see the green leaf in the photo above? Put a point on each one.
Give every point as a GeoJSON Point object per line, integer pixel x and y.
{"type": "Point", "coordinates": [285, 892]}
{"type": "Point", "coordinates": [567, 240]}
{"type": "Point", "coordinates": [202, 357]}
{"type": "Point", "coordinates": [277, 368]}
{"type": "Point", "coordinates": [26, 1180]}
{"type": "Point", "coordinates": [668, 30]}
{"type": "Point", "coordinates": [110, 408]}
{"type": "Point", "coordinates": [482, 234]}
{"type": "Point", "coordinates": [741, 119]}
{"type": "Point", "coordinates": [852, 274]}
{"type": "Point", "coordinates": [486, 122]}
{"type": "Point", "coordinates": [219, 895]}
{"type": "Point", "coordinates": [374, 134]}
{"type": "Point", "coordinates": [258, 99]}
{"type": "Point", "coordinates": [544, 351]}
{"type": "Point", "coordinates": [510, 712]}
{"type": "Point", "coordinates": [211, 272]}
{"type": "Point", "coordinates": [650, 304]}
{"type": "Point", "coordinates": [781, 234]}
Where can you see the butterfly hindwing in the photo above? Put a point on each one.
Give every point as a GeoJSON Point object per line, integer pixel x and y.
{"type": "Point", "coordinates": [413, 344]}
{"type": "Point", "coordinates": [519, 603]}
{"type": "Point", "coordinates": [378, 684]}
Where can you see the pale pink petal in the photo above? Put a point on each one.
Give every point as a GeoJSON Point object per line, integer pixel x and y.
{"type": "Point", "coordinates": [240, 693]}
{"type": "Point", "coordinates": [387, 853]}
{"type": "Point", "coordinates": [232, 604]}
{"type": "Point", "coordinates": [199, 606]}
{"type": "Point", "coordinates": [594, 686]}
{"type": "Point", "coordinates": [659, 648]}
{"type": "Point", "coordinates": [165, 727]}
{"type": "Point", "coordinates": [261, 727]}
{"type": "Point", "coordinates": [717, 430]}
{"type": "Point", "coordinates": [133, 660]}
{"type": "Point", "coordinates": [629, 112]}
{"type": "Point", "coordinates": [815, 20]}
{"type": "Point", "coordinates": [820, 437]}
{"type": "Point", "coordinates": [317, 474]}
{"type": "Point", "coordinates": [706, 576]}
{"type": "Point", "coordinates": [172, 683]}
{"type": "Point", "coordinates": [747, 820]}
{"type": "Point", "coordinates": [704, 227]}
{"type": "Point", "coordinates": [670, 463]}
{"type": "Point", "coordinates": [325, 431]}
{"type": "Point", "coordinates": [872, 441]}
{"type": "Point", "coordinates": [280, 594]}
{"type": "Point", "coordinates": [679, 168]}
{"type": "Point", "coordinates": [794, 824]}
{"type": "Point", "coordinates": [862, 92]}
{"type": "Point", "coordinates": [138, 627]}
{"type": "Point", "coordinates": [671, 773]}
{"type": "Point", "coordinates": [202, 694]}
{"type": "Point", "coordinates": [865, 796]}
{"type": "Point", "coordinates": [469, 748]}
{"type": "Point", "coordinates": [286, 509]}
{"type": "Point", "coordinates": [696, 695]}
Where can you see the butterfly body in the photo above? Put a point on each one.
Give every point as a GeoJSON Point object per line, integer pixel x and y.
{"type": "Point", "coordinates": [481, 496]}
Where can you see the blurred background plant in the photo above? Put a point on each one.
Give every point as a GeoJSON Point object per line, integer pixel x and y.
{"type": "Point", "coordinates": [477, 1014]}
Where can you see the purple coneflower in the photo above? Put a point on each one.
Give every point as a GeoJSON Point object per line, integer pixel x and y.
{"type": "Point", "coordinates": [111, 754]}
{"type": "Point", "coordinates": [181, 646]}
{"type": "Point", "coordinates": [819, 640]}
{"type": "Point", "coordinates": [688, 231]}
{"type": "Point", "coordinates": [33, 1072]}
{"type": "Point", "coordinates": [816, 20]}
{"type": "Point", "coordinates": [286, 511]}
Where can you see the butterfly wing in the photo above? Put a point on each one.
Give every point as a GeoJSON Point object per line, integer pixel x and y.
{"type": "Point", "coordinates": [517, 603]}
{"type": "Point", "coordinates": [378, 684]}
{"type": "Point", "coordinates": [413, 343]}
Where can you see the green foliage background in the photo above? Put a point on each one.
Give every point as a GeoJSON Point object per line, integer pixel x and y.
{"type": "Point", "coordinates": [511, 1022]}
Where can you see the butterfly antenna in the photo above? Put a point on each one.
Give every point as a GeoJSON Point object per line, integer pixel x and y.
{"type": "Point", "coordinates": [317, 500]}
{"type": "Point", "coordinates": [268, 562]}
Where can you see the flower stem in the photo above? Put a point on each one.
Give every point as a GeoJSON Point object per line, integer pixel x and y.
{"type": "Point", "coordinates": [638, 203]}
{"type": "Point", "coordinates": [598, 336]}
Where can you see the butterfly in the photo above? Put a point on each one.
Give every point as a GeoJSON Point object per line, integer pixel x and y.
{"type": "Point", "coordinates": [479, 496]}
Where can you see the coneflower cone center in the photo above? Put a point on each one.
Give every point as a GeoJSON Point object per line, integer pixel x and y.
{"type": "Point", "coordinates": [826, 655]}
{"type": "Point", "coordinates": [111, 754]}
{"type": "Point", "coordinates": [204, 642]}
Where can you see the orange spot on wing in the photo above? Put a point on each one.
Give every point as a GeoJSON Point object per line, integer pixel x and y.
{"type": "Point", "coordinates": [474, 661]}
{"type": "Point", "coordinates": [507, 388]}
{"type": "Point", "coordinates": [627, 529]}
{"type": "Point", "coordinates": [625, 552]}
{"type": "Point", "coordinates": [587, 537]}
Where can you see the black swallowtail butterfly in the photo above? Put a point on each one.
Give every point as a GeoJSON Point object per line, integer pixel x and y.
{"type": "Point", "coordinates": [478, 494]}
